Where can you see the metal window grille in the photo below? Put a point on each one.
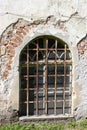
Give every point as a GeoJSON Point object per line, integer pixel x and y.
{"type": "Point", "coordinates": [45, 78]}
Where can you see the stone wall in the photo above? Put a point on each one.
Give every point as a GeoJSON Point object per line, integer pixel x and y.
{"type": "Point", "coordinates": [82, 78]}
{"type": "Point", "coordinates": [65, 20]}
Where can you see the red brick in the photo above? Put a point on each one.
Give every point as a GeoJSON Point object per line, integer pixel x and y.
{"type": "Point", "coordinates": [9, 46]}
{"type": "Point", "coordinates": [82, 44]}
{"type": "Point", "coordinates": [15, 42]}
{"type": "Point", "coordinates": [85, 41]}
{"type": "Point", "coordinates": [8, 67]}
{"type": "Point", "coordinates": [81, 51]}
{"type": "Point", "coordinates": [5, 74]}
{"type": "Point", "coordinates": [19, 37]}
{"type": "Point", "coordinates": [2, 42]}
{"type": "Point", "coordinates": [10, 61]}
{"type": "Point", "coordinates": [27, 29]}
{"type": "Point", "coordinates": [19, 30]}
{"type": "Point", "coordinates": [79, 46]}
{"type": "Point", "coordinates": [24, 32]}
{"type": "Point", "coordinates": [11, 53]}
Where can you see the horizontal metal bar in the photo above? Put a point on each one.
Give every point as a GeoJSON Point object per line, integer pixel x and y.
{"type": "Point", "coordinates": [59, 88]}
{"type": "Point", "coordinates": [50, 62]}
{"type": "Point", "coordinates": [44, 75]}
{"type": "Point", "coordinates": [42, 49]}
{"type": "Point", "coordinates": [47, 101]}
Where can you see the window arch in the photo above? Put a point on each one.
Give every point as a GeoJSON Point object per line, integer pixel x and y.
{"type": "Point", "coordinates": [45, 77]}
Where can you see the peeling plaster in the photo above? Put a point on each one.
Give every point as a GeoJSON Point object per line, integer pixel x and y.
{"type": "Point", "coordinates": [36, 28]}
{"type": "Point", "coordinates": [70, 28]}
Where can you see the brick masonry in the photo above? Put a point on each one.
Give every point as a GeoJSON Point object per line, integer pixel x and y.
{"type": "Point", "coordinates": [13, 37]}
{"type": "Point", "coordinates": [82, 47]}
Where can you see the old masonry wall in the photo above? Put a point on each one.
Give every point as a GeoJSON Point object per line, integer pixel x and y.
{"type": "Point", "coordinates": [66, 20]}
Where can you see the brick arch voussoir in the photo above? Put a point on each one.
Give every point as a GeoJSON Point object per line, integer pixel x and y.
{"type": "Point", "coordinates": [11, 38]}
{"type": "Point", "coordinates": [82, 47]}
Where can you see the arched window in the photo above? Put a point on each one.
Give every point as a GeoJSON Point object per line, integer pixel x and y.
{"type": "Point", "coordinates": [45, 77]}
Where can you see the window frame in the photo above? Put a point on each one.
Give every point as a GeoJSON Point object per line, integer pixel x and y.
{"type": "Point", "coordinates": [48, 62]}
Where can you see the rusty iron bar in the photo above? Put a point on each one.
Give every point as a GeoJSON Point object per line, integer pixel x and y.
{"type": "Point", "coordinates": [46, 63]}
{"type": "Point", "coordinates": [64, 80]}
{"type": "Point", "coordinates": [55, 78]}
{"type": "Point", "coordinates": [51, 49]}
{"type": "Point", "coordinates": [70, 89]}
{"type": "Point", "coordinates": [37, 79]}
{"type": "Point", "coordinates": [67, 100]}
{"type": "Point", "coordinates": [45, 89]}
{"type": "Point", "coordinates": [46, 78]}
{"type": "Point", "coordinates": [51, 75]}
{"type": "Point", "coordinates": [27, 81]}
{"type": "Point", "coordinates": [60, 62]}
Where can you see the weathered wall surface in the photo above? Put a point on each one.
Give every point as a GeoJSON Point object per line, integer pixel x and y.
{"type": "Point", "coordinates": [11, 10]}
{"type": "Point", "coordinates": [23, 20]}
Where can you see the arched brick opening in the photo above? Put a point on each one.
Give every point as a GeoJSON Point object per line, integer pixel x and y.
{"type": "Point", "coordinates": [45, 77]}
{"type": "Point", "coordinates": [13, 40]}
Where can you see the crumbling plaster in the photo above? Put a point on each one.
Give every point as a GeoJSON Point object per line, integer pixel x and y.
{"type": "Point", "coordinates": [53, 19]}
{"type": "Point", "coordinates": [10, 11]}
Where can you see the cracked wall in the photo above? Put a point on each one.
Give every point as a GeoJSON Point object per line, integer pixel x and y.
{"type": "Point", "coordinates": [19, 27]}
{"type": "Point", "coordinates": [82, 78]}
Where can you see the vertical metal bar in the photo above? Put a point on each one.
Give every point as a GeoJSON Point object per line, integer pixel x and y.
{"type": "Point", "coordinates": [70, 89]}
{"type": "Point", "coordinates": [70, 86]}
{"type": "Point", "coordinates": [44, 70]}
{"type": "Point", "coordinates": [37, 79]}
{"type": "Point", "coordinates": [64, 80]}
{"type": "Point", "coordinates": [46, 79]}
{"type": "Point", "coordinates": [27, 80]}
{"type": "Point", "coordinates": [55, 77]}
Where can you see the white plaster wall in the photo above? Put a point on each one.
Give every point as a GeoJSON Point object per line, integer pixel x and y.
{"type": "Point", "coordinates": [11, 10]}
{"type": "Point", "coordinates": [63, 10]}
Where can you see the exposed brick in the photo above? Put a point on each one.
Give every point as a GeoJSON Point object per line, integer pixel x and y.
{"type": "Point", "coordinates": [82, 44]}
{"type": "Point", "coordinates": [10, 61]}
{"type": "Point", "coordinates": [82, 47]}
{"type": "Point", "coordinates": [19, 30]}
{"type": "Point", "coordinates": [18, 38]}
{"type": "Point", "coordinates": [21, 24]}
{"type": "Point", "coordinates": [19, 35]}
{"type": "Point", "coordinates": [10, 35]}
{"type": "Point", "coordinates": [11, 53]}
{"type": "Point", "coordinates": [27, 29]}
{"type": "Point", "coordinates": [2, 50]}
{"type": "Point", "coordinates": [12, 38]}
{"type": "Point", "coordinates": [9, 46]}
{"type": "Point", "coordinates": [81, 51]}
{"type": "Point", "coordinates": [24, 32]}
{"type": "Point", "coordinates": [15, 42]}
{"type": "Point", "coordinates": [10, 50]}
{"type": "Point", "coordinates": [8, 67]}
{"type": "Point", "coordinates": [5, 75]}
{"type": "Point", "coordinates": [2, 42]}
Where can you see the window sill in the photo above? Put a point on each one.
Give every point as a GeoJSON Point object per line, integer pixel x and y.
{"type": "Point", "coordinates": [48, 117]}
